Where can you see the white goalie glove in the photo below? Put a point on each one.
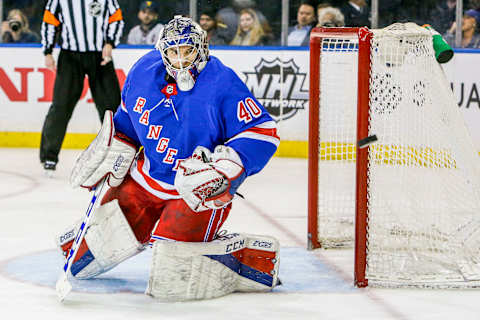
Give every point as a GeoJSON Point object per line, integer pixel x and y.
{"type": "Point", "coordinates": [107, 156]}
{"type": "Point", "coordinates": [210, 180]}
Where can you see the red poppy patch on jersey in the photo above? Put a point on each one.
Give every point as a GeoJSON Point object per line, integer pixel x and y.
{"type": "Point", "coordinates": [170, 90]}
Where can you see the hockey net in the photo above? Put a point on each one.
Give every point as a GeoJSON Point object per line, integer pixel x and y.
{"type": "Point", "coordinates": [409, 202]}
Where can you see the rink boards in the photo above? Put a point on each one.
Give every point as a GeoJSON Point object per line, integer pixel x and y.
{"type": "Point", "coordinates": [278, 77]}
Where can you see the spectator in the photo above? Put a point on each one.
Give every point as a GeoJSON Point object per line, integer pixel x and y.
{"type": "Point", "coordinates": [84, 51]}
{"type": "Point", "coordinates": [16, 29]}
{"type": "Point", "coordinates": [443, 16]}
{"type": "Point", "coordinates": [32, 9]}
{"type": "Point", "coordinates": [470, 37]}
{"type": "Point", "coordinates": [229, 16]}
{"type": "Point", "coordinates": [322, 6]}
{"type": "Point", "coordinates": [166, 9]}
{"type": "Point", "coordinates": [217, 33]}
{"type": "Point", "coordinates": [299, 35]}
{"type": "Point", "coordinates": [475, 10]}
{"type": "Point", "coordinates": [356, 13]}
{"type": "Point", "coordinates": [249, 31]}
{"type": "Point", "coordinates": [330, 17]}
{"type": "Point", "coordinates": [148, 30]}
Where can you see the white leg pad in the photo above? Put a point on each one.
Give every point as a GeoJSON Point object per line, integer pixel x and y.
{"type": "Point", "coordinates": [110, 240]}
{"type": "Point", "coordinates": [67, 235]}
{"type": "Point", "coordinates": [267, 244]}
{"type": "Point", "coordinates": [184, 271]}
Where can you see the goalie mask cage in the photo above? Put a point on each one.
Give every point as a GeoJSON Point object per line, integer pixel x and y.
{"type": "Point", "coordinates": [409, 202]}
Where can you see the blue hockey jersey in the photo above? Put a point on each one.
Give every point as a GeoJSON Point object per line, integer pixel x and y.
{"type": "Point", "coordinates": [170, 123]}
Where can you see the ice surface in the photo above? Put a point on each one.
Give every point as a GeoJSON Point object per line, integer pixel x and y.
{"type": "Point", "coordinates": [316, 285]}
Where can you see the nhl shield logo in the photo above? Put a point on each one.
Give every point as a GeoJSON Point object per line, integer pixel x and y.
{"type": "Point", "coordinates": [94, 8]}
{"type": "Point", "coordinates": [279, 86]}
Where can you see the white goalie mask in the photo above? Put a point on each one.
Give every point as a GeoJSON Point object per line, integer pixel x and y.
{"type": "Point", "coordinates": [184, 48]}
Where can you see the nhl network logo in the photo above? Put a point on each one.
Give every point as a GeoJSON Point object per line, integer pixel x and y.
{"type": "Point", "coordinates": [280, 91]}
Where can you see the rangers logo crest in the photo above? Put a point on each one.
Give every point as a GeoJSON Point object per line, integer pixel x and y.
{"type": "Point", "coordinates": [94, 8]}
{"type": "Point", "coordinates": [281, 92]}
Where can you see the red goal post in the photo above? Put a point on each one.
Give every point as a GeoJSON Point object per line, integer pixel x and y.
{"type": "Point", "coordinates": [409, 203]}
{"type": "Point", "coordinates": [364, 36]}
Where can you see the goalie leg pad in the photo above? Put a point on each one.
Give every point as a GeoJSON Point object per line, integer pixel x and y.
{"type": "Point", "coordinates": [256, 264]}
{"type": "Point", "coordinates": [184, 271]}
{"type": "Point", "coordinates": [108, 241]}
{"type": "Point", "coordinates": [65, 239]}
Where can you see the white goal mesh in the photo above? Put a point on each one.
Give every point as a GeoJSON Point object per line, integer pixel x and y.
{"type": "Point", "coordinates": [423, 181]}
{"type": "Point", "coordinates": [337, 134]}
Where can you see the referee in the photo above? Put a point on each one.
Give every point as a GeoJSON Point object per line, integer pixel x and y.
{"type": "Point", "coordinates": [88, 31]}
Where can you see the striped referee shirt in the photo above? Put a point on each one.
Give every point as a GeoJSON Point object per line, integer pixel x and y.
{"type": "Point", "coordinates": [84, 25]}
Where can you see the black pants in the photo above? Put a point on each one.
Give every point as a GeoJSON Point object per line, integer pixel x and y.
{"type": "Point", "coordinates": [71, 70]}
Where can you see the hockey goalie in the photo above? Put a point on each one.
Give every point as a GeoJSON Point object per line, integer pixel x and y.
{"type": "Point", "coordinates": [186, 136]}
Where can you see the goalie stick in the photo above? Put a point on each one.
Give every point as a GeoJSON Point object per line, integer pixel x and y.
{"type": "Point", "coordinates": [63, 286]}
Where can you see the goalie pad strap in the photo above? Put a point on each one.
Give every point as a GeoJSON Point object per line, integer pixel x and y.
{"type": "Point", "coordinates": [191, 271]}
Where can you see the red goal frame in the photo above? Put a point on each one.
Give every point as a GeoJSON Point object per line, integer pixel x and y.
{"type": "Point", "coordinates": [361, 206]}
